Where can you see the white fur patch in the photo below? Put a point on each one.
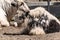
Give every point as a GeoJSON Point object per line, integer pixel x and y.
{"type": "Point", "coordinates": [13, 23]}
{"type": "Point", "coordinates": [37, 31]}
{"type": "Point", "coordinates": [40, 11]}
{"type": "Point", "coordinates": [3, 18]}
{"type": "Point", "coordinates": [36, 19]}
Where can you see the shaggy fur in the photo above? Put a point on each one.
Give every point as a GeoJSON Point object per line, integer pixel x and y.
{"type": "Point", "coordinates": [41, 22]}
{"type": "Point", "coordinates": [3, 18]}
{"type": "Point", "coordinates": [35, 27]}
{"type": "Point", "coordinates": [5, 6]}
{"type": "Point", "coordinates": [40, 11]}
{"type": "Point", "coordinates": [9, 8]}
{"type": "Point", "coordinates": [53, 27]}
{"type": "Point", "coordinates": [38, 28]}
{"type": "Point", "coordinates": [22, 13]}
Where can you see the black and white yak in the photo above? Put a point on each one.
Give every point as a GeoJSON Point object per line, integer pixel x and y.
{"type": "Point", "coordinates": [41, 22]}
{"type": "Point", "coordinates": [38, 21]}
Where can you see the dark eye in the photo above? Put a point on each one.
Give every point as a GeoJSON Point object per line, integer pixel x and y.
{"type": "Point", "coordinates": [21, 4]}
{"type": "Point", "coordinates": [21, 17]}
{"type": "Point", "coordinates": [14, 4]}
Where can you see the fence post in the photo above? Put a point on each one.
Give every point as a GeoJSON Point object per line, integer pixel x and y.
{"type": "Point", "coordinates": [48, 2]}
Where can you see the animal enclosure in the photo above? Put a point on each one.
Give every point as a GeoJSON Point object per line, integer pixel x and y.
{"type": "Point", "coordinates": [13, 32]}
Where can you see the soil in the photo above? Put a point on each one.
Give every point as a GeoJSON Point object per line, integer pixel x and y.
{"type": "Point", "coordinates": [52, 36]}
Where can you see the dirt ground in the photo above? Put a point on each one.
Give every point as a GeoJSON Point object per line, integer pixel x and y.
{"type": "Point", "coordinates": [52, 36]}
{"type": "Point", "coordinates": [10, 29]}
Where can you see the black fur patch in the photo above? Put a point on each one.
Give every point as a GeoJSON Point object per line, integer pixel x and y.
{"type": "Point", "coordinates": [53, 27]}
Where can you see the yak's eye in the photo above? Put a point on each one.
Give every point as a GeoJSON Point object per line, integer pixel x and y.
{"type": "Point", "coordinates": [20, 4]}
{"type": "Point", "coordinates": [21, 17]}
{"type": "Point", "coordinates": [14, 4]}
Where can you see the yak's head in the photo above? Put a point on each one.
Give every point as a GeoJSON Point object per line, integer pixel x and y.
{"type": "Point", "coordinates": [20, 5]}
{"type": "Point", "coordinates": [22, 11]}
{"type": "Point", "coordinates": [37, 25]}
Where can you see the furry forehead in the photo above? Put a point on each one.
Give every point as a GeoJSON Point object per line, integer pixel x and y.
{"type": "Point", "coordinates": [37, 11]}
{"type": "Point", "coordinates": [20, 0]}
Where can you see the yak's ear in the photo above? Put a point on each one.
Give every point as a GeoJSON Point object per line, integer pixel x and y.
{"type": "Point", "coordinates": [14, 4]}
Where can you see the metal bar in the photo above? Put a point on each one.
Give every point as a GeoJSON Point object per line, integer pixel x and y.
{"type": "Point", "coordinates": [48, 5]}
